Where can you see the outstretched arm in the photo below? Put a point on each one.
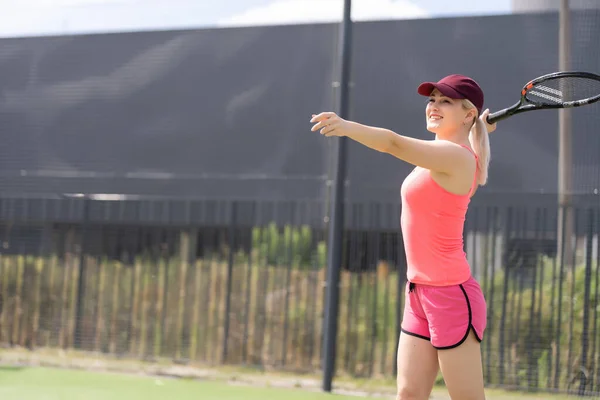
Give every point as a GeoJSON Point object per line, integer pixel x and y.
{"type": "Point", "coordinates": [437, 155]}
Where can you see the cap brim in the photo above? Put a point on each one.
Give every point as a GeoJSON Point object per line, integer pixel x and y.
{"type": "Point", "coordinates": [426, 88]}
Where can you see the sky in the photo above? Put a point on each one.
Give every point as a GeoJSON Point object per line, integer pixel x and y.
{"type": "Point", "coordinates": [51, 17]}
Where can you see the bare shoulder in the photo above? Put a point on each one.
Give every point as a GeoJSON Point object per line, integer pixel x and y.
{"type": "Point", "coordinates": [459, 179]}
{"type": "Point", "coordinates": [462, 158]}
{"type": "Point", "coordinates": [436, 155]}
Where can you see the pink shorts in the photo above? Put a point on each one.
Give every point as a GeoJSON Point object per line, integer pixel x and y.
{"type": "Point", "coordinates": [444, 314]}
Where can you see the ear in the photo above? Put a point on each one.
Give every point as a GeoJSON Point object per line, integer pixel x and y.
{"type": "Point", "coordinates": [470, 116]}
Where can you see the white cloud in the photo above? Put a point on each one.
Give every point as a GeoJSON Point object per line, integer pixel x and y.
{"type": "Point", "coordinates": [52, 17]}
{"type": "Point", "coordinates": [54, 4]}
{"type": "Point", "coordinates": [281, 12]}
{"type": "Point", "coordinates": [59, 17]}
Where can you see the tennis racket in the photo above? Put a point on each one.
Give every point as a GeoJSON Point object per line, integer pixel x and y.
{"type": "Point", "coordinates": [551, 91]}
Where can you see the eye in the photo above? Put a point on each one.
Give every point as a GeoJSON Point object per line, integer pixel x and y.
{"type": "Point", "coordinates": [431, 100]}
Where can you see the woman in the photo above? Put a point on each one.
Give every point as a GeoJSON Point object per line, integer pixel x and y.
{"type": "Point", "coordinates": [445, 310]}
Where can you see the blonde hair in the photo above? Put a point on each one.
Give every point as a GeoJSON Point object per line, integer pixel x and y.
{"type": "Point", "coordinates": [480, 141]}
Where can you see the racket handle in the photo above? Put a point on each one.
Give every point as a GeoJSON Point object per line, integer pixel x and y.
{"type": "Point", "coordinates": [498, 116]}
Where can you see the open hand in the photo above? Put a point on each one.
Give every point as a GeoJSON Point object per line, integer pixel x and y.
{"type": "Point", "coordinates": [490, 127]}
{"type": "Point", "coordinates": [330, 124]}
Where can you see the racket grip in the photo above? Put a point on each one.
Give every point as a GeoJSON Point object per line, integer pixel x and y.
{"type": "Point", "coordinates": [497, 116]}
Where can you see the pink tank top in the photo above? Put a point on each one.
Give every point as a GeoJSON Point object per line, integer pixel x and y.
{"type": "Point", "coordinates": [432, 221]}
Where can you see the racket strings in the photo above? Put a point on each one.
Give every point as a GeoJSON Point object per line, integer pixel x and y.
{"type": "Point", "coordinates": [563, 90]}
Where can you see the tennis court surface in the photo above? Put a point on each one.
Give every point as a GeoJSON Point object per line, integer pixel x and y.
{"type": "Point", "coordinates": [35, 383]}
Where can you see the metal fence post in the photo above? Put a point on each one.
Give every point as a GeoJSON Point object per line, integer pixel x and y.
{"type": "Point", "coordinates": [337, 215]}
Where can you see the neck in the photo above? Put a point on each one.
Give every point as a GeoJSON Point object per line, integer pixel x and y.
{"type": "Point", "coordinates": [458, 137]}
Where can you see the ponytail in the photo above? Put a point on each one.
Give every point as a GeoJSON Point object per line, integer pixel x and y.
{"type": "Point", "coordinates": [480, 142]}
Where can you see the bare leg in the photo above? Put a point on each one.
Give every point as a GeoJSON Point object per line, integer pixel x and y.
{"type": "Point", "coordinates": [462, 370]}
{"type": "Point", "coordinates": [417, 368]}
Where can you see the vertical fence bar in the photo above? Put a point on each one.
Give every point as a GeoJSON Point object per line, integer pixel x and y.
{"type": "Point", "coordinates": [542, 285]}
{"type": "Point", "coordinates": [561, 276]}
{"type": "Point", "coordinates": [594, 369]}
{"type": "Point", "coordinates": [386, 298]}
{"type": "Point", "coordinates": [506, 267]}
{"type": "Point", "coordinates": [532, 336]}
{"type": "Point", "coordinates": [230, 261]}
{"type": "Point", "coordinates": [521, 269]}
{"type": "Point", "coordinates": [375, 235]}
{"type": "Point", "coordinates": [586, 301]}
{"type": "Point", "coordinates": [288, 279]}
{"type": "Point", "coordinates": [491, 230]}
{"type": "Point", "coordinates": [249, 275]}
{"type": "Point", "coordinates": [573, 272]}
{"type": "Point", "coordinates": [554, 304]}
{"type": "Point", "coordinates": [82, 275]}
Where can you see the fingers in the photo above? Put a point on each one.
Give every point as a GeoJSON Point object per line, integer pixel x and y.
{"type": "Point", "coordinates": [325, 127]}
{"type": "Point", "coordinates": [325, 122]}
{"type": "Point", "coordinates": [485, 114]}
{"type": "Point", "coordinates": [319, 125]}
{"type": "Point", "coordinates": [322, 116]}
{"type": "Point", "coordinates": [329, 130]}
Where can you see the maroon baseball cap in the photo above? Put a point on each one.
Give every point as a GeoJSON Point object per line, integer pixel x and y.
{"type": "Point", "coordinates": [455, 86]}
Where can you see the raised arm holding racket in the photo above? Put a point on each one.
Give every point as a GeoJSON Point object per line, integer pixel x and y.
{"type": "Point", "coordinates": [445, 310]}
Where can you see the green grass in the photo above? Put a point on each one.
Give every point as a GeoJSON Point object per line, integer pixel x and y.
{"type": "Point", "coordinates": [55, 384]}
{"type": "Point", "coordinates": [62, 384]}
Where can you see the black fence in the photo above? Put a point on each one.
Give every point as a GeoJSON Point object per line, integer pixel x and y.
{"type": "Point", "coordinates": [243, 283]}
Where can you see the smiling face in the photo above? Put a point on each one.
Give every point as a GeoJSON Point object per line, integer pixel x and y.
{"type": "Point", "coordinates": [446, 116]}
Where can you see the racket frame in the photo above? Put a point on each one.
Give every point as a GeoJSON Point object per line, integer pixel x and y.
{"type": "Point", "coordinates": [525, 104]}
